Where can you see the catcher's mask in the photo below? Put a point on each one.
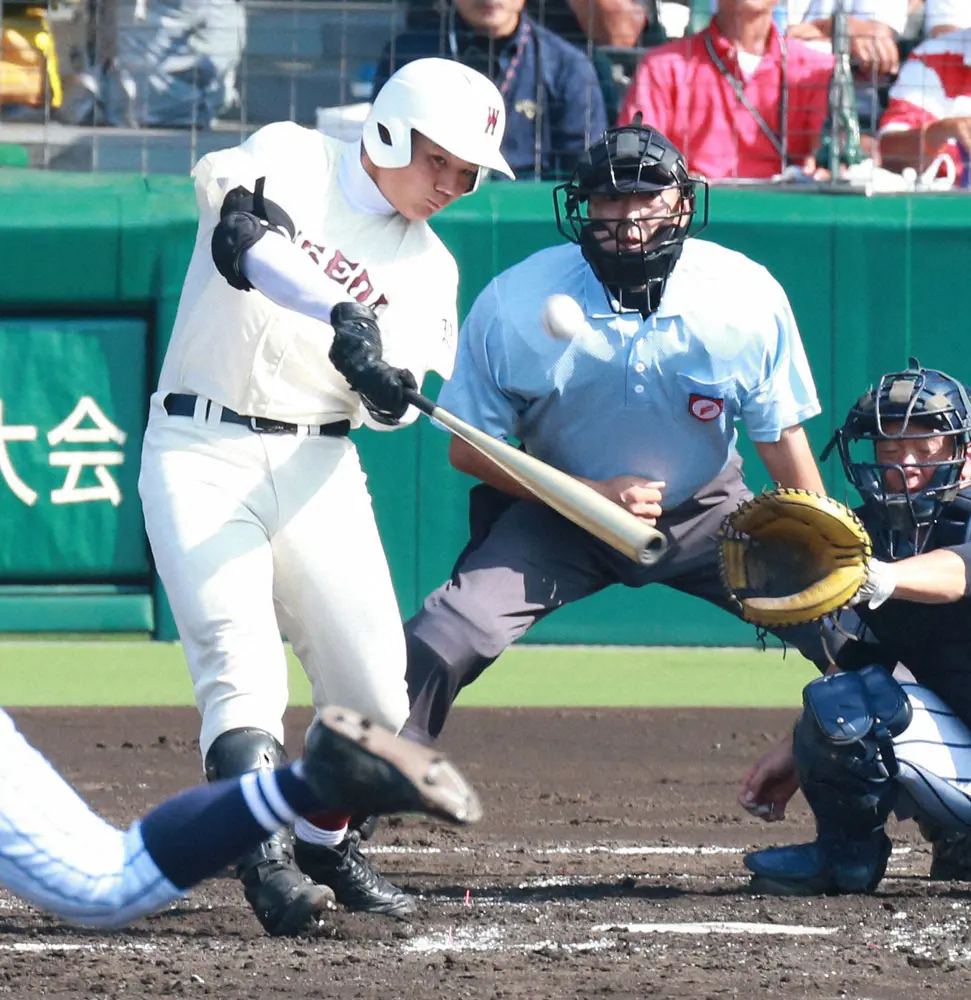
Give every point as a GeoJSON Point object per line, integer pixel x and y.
{"type": "Point", "coordinates": [627, 161]}
{"type": "Point", "coordinates": [915, 405]}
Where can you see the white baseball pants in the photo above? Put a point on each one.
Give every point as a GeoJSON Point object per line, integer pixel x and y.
{"type": "Point", "coordinates": [934, 754]}
{"type": "Point", "coordinates": [254, 534]}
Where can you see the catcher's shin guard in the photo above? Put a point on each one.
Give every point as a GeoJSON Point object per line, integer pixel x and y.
{"type": "Point", "coordinates": [844, 754]}
{"type": "Point", "coordinates": [285, 901]}
{"type": "Point", "coordinates": [843, 745]}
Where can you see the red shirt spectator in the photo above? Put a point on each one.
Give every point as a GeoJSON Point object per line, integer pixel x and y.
{"type": "Point", "coordinates": [930, 107]}
{"type": "Point", "coordinates": [684, 94]}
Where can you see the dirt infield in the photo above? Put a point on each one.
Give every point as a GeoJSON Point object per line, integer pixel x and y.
{"type": "Point", "coordinates": [608, 865]}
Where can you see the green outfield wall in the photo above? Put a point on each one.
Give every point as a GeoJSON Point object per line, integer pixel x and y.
{"type": "Point", "coordinates": [91, 271]}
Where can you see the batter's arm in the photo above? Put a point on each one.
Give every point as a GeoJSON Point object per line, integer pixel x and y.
{"type": "Point", "coordinates": [287, 276]}
{"type": "Point", "coordinates": [790, 460]}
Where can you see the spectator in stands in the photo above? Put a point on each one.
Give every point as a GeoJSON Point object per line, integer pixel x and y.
{"type": "Point", "coordinates": [874, 28]}
{"type": "Point", "coordinates": [554, 104]}
{"type": "Point", "coordinates": [738, 99]}
{"type": "Point", "coordinates": [941, 17]}
{"type": "Point", "coordinates": [930, 107]}
{"type": "Point", "coordinates": [160, 63]}
{"type": "Point", "coordinates": [873, 25]}
{"type": "Point", "coordinates": [624, 23]}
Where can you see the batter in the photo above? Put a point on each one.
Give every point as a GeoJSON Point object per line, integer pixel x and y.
{"type": "Point", "coordinates": [310, 252]}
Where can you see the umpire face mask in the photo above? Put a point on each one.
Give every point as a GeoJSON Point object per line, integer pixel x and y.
{"type": "Point", "coordinates": [632, 241]}
{"type": "Point", "coordinates": [630, 206]}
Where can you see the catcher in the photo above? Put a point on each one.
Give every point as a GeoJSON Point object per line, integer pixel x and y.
{"type": "Point", "coordinates": [888, 728]}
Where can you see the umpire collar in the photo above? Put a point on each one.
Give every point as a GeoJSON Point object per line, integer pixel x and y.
{"type": "Point", "coordinates": [599, 305]}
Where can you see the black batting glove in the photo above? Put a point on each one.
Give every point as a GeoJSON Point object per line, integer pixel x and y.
{"type": "Point", "coordinates": [382, 388]}
{"type": "Point", "coordinates": [357, 340]}
{"type": "Point", "coordinates": [356, 354]}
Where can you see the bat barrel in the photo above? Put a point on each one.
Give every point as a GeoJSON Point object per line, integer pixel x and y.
{"type": "Point", "coordinates": [652, 549]}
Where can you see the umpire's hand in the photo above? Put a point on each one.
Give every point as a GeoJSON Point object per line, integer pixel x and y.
{"type": "Point", "coordinates": [641, 497]}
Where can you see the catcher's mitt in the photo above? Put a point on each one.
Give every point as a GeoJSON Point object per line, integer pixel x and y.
{"type": "Point", "coordinates": [792, 556]}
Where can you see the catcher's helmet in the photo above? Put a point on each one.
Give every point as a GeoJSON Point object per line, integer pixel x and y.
{"type": "Point", "coordinates": [913, 404]}
{"type": "Point", "coordinates": [631, 159]}
{"type": "Point", "coordinates": [451, 104]}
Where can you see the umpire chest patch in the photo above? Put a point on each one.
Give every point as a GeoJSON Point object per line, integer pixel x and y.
{"type": "Point", "coordinates": [705, 408]}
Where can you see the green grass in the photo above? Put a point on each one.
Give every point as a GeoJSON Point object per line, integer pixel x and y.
{"type": "Point", "coordinates": [153, 673]}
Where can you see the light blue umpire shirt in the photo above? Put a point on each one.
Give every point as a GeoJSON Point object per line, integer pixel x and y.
{"type": "Point", "coordinates": [657, 398]}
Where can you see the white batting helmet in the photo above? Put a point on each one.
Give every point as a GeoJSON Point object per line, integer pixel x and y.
{"type": "Point", "coordinates": [456, 107]}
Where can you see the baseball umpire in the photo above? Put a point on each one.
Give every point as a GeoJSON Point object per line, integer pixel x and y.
{"type": "Point", "coordinates": [255, 502]}
{"type": "Point", "coordinates": [890, 729]}
{"type": "Point", "coordinates": [57, 854]}
{"type": "Point", "coordinates": [682, 339]}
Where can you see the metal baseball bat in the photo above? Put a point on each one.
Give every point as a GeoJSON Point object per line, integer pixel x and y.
{"type": "Point", "coordinates": [576, 501]}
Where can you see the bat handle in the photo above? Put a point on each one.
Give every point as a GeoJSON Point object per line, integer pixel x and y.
{"type": "Point", "coordinates": [419, 401]}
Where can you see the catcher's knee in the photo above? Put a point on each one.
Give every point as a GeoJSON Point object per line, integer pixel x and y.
{"type": "Point", "coordinates": [843, 745]}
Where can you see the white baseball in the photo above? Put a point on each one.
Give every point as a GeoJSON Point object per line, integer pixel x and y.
{"type": "Point", "coordinates": [563, 317]}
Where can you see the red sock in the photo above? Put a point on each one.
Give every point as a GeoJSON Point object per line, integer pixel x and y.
{"type": "Point", "coordinates": [329, 820]}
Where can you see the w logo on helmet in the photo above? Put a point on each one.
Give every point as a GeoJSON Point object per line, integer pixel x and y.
{"type": "Point", "coordinates": [492, 121]}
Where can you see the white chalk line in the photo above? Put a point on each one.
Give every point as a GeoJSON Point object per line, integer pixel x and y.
{"type": "Point", "coordinates": [566, 849]}
{"type": "Point", "coordinates": [86, 946]}
{"type": "Point", "coordinates": [719, 927]}
{"type": "Point", "coordinates": [495, 938]}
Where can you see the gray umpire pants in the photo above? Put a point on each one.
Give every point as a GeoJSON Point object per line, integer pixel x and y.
{"type": "Point", "coordinates": [524, 561]}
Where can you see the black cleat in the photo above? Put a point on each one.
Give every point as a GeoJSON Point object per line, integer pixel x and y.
{"type": "Point", "coordinates": [356, 765]}
{"type": "Point", "coordinates": [285, 901]}
{"type": "Point", "coordinates": [355, 884]}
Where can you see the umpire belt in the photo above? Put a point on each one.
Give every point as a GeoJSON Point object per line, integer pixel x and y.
{"type": "Point", "coordinates": [180, 404]}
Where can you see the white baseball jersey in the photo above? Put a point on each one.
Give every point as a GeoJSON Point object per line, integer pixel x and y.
{"type": "Point", "coordinates": [244, 351]}
{"type": "Point", "coordinates": [657, 397]}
